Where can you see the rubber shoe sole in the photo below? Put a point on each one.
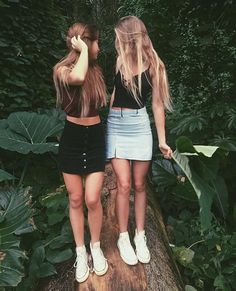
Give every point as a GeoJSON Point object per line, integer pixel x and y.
{"type": "Point", "coordinates": [84, 278]}
{"type": "Point", "coordinates": [102, 272]}
{"type": "Point", "coordinates": [143, 261]}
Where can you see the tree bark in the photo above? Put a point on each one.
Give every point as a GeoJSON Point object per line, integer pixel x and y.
{"type": "Point", "coordinates": [160, 274]}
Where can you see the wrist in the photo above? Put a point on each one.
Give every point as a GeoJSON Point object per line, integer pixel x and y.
{"type": "Point", "coordinates": [162, 142]}
{"type": "Point", "coordinates": [84, 48]}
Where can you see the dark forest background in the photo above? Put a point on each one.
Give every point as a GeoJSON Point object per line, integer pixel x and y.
{"type": "Point", "coordinates": [196, 40]}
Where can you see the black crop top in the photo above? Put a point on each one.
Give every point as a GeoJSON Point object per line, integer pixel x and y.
{"type": "Point", "coordinates": [71, 104]}
{"type": "Point", "coordinates": [124, 98]}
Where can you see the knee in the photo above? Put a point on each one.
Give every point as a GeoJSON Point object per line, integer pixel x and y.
{"type": "Point", "coordinates": [92, 203]}
{"type": "Point", "coordinates": [76, 201]}
{"type": "Point", "coordinates": [124, 188]}
{"type": "Point", "coordinates": [139, 187]}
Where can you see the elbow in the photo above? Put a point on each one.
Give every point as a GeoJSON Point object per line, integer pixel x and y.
{"type": "Point", "coordinates": [76, 80]}
{"type": "Point", "coordinates": [157, 106]}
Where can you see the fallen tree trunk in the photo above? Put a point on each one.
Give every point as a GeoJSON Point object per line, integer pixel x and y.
{"type": "Point", "coordinates": [160, 274]}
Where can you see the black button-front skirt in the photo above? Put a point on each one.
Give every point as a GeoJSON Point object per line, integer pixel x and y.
{"type": "Point", "coordinates": [82, 149]}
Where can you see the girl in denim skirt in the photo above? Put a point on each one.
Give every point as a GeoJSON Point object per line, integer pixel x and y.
{"type": "Point", "coordinates": [139, 74]}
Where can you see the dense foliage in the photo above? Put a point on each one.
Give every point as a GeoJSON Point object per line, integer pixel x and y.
{"type": "Point", "coordinates": [196, 40]}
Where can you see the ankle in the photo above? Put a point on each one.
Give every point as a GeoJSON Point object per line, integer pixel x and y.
{"type": "Point", "coordinates": [80, 249]}
{"type": "Point", "coordinates": [94, 244]}
{"type": "Point", "coordinates": [124, 234]}
{"type": "Point", "coordinates": [140, 231]}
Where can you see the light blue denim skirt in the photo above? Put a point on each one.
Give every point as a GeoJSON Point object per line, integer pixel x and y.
{"type": "Point", "coordinates": [129, 135]}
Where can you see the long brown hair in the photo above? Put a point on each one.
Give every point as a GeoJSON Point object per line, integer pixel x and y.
{"type": "Point", "coordinates": [93, 90]}
{"type": "Point", "coordinates": [134, 45]}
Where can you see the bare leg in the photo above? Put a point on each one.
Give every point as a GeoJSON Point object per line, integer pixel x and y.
{"type": "Point", "coordinates": [140, 170]}
{"type": "Point", "coordinates": [76, 198]}
{"type": "Point", "coordinates": [93, 187]}
{"type": "Point", "coordinates": [122, 170]}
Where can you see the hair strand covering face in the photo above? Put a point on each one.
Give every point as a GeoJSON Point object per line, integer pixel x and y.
{"type": "Point", "coordinates": [133, 45]}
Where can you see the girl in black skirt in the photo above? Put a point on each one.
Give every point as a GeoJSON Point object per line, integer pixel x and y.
{"type": "Point", "coordinates": [80, 92]}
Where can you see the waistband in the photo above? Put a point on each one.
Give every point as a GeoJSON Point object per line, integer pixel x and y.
{"type": "Point", "coordinates": [73, 124]}
{"type": "Point", "coordinates": [128, 112]}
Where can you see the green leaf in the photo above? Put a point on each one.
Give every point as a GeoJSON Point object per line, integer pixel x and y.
{"type": "Point", "coordinates": [200, 165]}
{"type": "Point", "coordinates": [54, 218]}
{"type": "Point", "coordinates": [3, 44]}
{"type": "Point", "coordinates": [183, 255]}
{"type": "Point", "coordinates": [29, 132]}
{"type": "Point", "coordinates": [54, 199]}
{"type": "Point", "coordinates": [58, 256]}
{"type": "Point", "coordinates": [184, 145]}
{"type": "Point", "coordinates": [60, 241]}
{"type": "Point", "coordinates": [207, 151]}
{"type": "Point", "coordinates": [5, 176]}
{"type": "Point", "coordinates": [220, 282]}
{"type": "Point", "coordinates": [163, 174]}
{"type": "Point", "coordinates": [204, 192]}
{"type": "Point", "coordinates": [15, 208]}
{"type": "Point", "coordinates": [184, 190]}
{"type": "Point", "coordinates": [189, 288]}
{"type": "Point", "coordinates": [36, 261]}
{"type": "Point", "coordinates": [221, 195]}
{"type": "Point", "coordinates": [46, 270]}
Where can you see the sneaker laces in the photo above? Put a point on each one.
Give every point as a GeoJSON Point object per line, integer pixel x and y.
{"type": "Point", "coordinates": [98, 255]}
{"type": "Point", "coordinates": [126, 242]}
{"type": "Point", "coordinates": [142, 242]}
{"type": "Point", "coordinates": [80, 259]}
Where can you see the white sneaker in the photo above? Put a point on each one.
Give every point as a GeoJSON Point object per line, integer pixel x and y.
{"type": "Point", "coordinates": [126, 250]}
{"type": "Point", "coordinates": [100, 265]}
{"type": "Point", "coordinates": [81, 264]}
{"type": "Point", "coordinates": [142, 250]}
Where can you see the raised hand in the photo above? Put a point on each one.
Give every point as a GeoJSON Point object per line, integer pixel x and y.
{"type": "Point", "coordinates": [78, 44]}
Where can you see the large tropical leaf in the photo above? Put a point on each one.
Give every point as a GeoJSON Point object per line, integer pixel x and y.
{"type": "Point", "coordinates": [169, 178]}
{"type": "Point", "coordinates": [164, 175]}
{"type": "Point", "coordinates": [30, 131]}
{"type": "Point", "coordinates": [39, 267]}
{"type": "Point", "coordinates": [200, 165]}
{"type": "Point", "coordinates": [15, 215]}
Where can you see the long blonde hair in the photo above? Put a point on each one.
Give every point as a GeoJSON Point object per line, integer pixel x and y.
{"type": "Point", "coordinates": [93, 90]}
{"type": "Point", "coordinates": [133, 45]}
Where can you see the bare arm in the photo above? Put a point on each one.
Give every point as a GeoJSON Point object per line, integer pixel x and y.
{"type": "Point", "coordinates": [77, 74]}
{"type": "Point", "coordinates": [159, 117]}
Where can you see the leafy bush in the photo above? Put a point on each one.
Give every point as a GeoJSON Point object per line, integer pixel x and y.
{"type": "Point", "coordinates": [208, 262]}
{"type": "Point", "coordinates": [31, 42]}
{"type": "Point", "coordinates": [200, 165]}
{"type": "Point", "coordinates": [52, 240]}
{"type": "Point", "coordinates": [32, 255]}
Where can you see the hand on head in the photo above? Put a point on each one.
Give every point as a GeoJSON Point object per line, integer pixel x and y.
{"type": "Point", "coordinates": [78, 44]}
